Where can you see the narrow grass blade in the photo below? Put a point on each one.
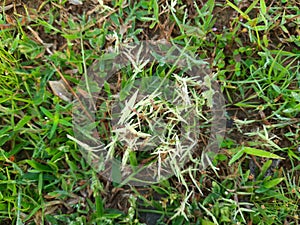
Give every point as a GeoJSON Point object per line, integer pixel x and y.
{"type": "Point", "coordinates": [261, 153]}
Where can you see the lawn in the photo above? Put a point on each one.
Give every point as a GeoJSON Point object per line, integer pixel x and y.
{"type": "Point", "coordinates": [149, 112]}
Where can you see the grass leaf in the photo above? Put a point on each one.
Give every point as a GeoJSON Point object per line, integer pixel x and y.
{"type": "Point", "coordinates": [261, 153]}
{"type": "Point", "coordinates": [39, 167]}
{"type": "Point", "coordinates": [22, 122]}
{"type": "Point", "coordinates": [272, 183]}
{"type": "Point", "coordinates": [236, 157]}
{"type": "Point", "coordinates": [263, 6]}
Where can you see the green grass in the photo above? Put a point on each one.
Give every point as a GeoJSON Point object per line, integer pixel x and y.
{"type": "Point", "coordinates": [253, 50]}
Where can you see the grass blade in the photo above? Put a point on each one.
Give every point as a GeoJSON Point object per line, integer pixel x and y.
{"type": "Point", "coordinates": [261, 153]}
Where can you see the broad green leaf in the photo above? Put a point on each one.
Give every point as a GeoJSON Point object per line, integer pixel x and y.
{"type": "Point", "coordinates": [238, 10]}
{"type": "Point", "coordinates": [65, 123]}
{"type": "Point", "coordinates": [72, 165]}
{"type": "Point", "coordinates": [207, 222]}
{"type": "Point", "coordinates": [264, 169]}
{"type": "Point", "coordinates": [263, 7]}
{"type": "Point", "coordinates": [125, 91]}
{"type": "Point", "coordinates": [236, 157]}
{"type": "Point", "coordinates": [38, 166]}
{"type": "Point", "coordinates": [261, 153]}
{"type": "Point", "coordinates": [53, 165]}
{"type": "Point", "coordinates": [272, 183]}
{"type": "Point", "coordinates": [252, 6]}
{"type": "Point", "coordinates": [22, 122]}
{"type": "Point", "coordinates": [113, 213]}
{"type": "Point", "coordinates": [132, 159]}
{"type": "Point", "coordinates": [99, 206]}
{"type": "Point", "coordinates": [46, 112]}
{"type": "Point", "coordinates": [155, 9]}
{"type": "Point", "coordinates": [3, 207]}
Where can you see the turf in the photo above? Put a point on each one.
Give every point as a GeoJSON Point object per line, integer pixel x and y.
{"type": "Point", "coordinates": [47, 172]}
